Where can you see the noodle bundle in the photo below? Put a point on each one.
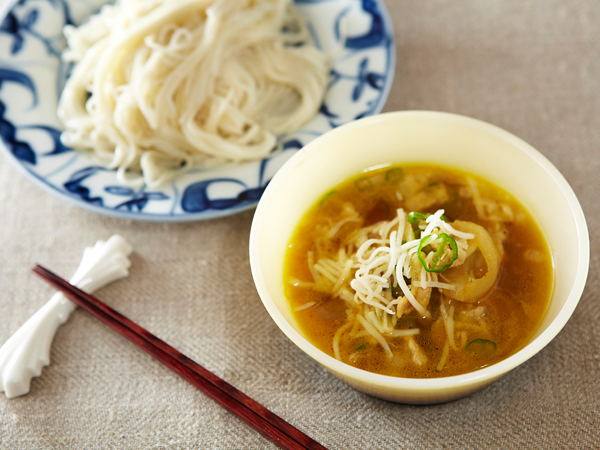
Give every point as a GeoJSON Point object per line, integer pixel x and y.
{"type": "Point", "coordinates": [161, 85]}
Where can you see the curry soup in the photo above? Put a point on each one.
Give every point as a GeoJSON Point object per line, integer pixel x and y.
{"type": "Point", "coordinates": [418, 271]}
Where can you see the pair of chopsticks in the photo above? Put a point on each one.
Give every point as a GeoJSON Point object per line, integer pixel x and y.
{"type": "Point", "coordinates": [268, 424]}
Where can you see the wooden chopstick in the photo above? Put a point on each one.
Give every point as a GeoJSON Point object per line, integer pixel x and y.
{"type": "Point", "coordinates": [270, 425]}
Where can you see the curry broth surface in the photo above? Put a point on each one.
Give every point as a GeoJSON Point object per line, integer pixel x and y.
{"type": "Point", "coordinates": [514, 308]}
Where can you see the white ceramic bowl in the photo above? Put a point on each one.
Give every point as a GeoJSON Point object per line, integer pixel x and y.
{"type": "Point", "coordinates": [416, 137]}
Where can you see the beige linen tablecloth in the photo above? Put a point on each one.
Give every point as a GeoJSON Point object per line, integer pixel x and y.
{"type": "Point", "coordinates": [529, 66]}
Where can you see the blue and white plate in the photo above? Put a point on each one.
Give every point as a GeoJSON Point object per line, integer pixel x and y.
{"type": "Point", "coordinates": [357, 33]}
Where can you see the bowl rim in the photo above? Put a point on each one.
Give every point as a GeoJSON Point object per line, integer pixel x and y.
{"type": "Point", "coordinates": [482, 375]}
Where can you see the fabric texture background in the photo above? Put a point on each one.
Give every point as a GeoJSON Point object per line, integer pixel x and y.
{"type": "Point", "coordinates": [530, 67]}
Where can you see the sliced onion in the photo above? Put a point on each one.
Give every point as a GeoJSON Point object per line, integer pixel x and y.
{"type": "Point", "coordinates": [467, 288]}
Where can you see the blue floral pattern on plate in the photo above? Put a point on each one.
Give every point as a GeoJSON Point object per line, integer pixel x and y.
{"type": "Point", "coordinates": [357, 34]}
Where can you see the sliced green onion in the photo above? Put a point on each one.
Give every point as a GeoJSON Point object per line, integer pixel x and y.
{"type": "Point", "coordinates": [363, 184]}
{"type": "Point", "coordinates": [441, 254]}
{"type": "Point", "coordinates": [326, 196]}
{"type": "Point", "coordinates": [394, 175]}
{"type": "Point", "coordinates": [481, 348]}
{"type": "Point", "coordinates": [414, 218]}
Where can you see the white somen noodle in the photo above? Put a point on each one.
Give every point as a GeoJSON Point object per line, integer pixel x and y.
{"type": "Point", "coordinates": [162, 85]}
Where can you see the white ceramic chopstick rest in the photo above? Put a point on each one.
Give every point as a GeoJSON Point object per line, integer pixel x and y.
{"type": "Point", "coordinates": [27, 351]}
